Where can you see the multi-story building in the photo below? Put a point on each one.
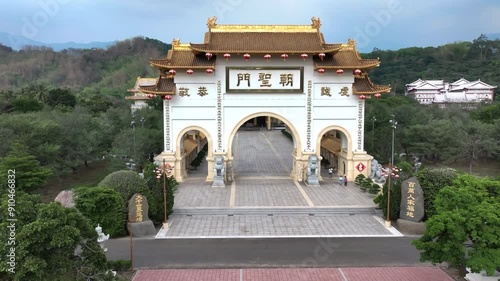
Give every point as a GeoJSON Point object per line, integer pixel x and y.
{"type": "Point", "coordinates": [139, 98]}
{"type": "Point", "coordinates": [443, 93]}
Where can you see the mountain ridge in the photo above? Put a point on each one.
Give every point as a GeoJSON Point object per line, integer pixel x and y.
{"type": "Point", "coordinates": [17, 42]}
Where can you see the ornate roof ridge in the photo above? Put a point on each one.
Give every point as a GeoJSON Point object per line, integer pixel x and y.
{"type": "Point", "coordinates": [213, 27]}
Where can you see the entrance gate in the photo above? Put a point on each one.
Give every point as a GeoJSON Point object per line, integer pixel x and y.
{"type": "Point", "coordinates": [268, 72]}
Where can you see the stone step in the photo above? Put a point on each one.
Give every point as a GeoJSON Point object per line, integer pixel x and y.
{"type": "Point", "coordinates": [266, 211]}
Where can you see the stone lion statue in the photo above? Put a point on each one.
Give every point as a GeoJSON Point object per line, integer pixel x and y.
{"type": "Point", "coordinates": [376, 172]}
{"type": "Point", "coordinates": [312, 167]}
{"type": "Point", "coordinates": [219, 166]}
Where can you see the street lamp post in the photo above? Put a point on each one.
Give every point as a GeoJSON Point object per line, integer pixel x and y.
{"type": "Point", "coordinates": [133, 128]}
{"type": "Point", "coordinates": [164, 171]}
{"type": "Point", "coordinates": [373, 129]}
{"type": "Point", "coordinates": [392, 171]}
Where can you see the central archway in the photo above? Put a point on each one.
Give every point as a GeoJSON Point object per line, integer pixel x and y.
{"type": "Point", "coordinates": [265, 135]}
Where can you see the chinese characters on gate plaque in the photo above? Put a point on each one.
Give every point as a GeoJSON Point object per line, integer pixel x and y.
{"type": "Point", "coordinates": [264, 79]}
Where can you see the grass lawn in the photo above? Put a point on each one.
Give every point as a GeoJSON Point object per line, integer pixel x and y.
{"type": "Point", "coordinates": [84, 176]}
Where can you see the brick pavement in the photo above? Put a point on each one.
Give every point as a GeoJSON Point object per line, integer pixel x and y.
{"type": "Point", "coordinates": [297, 274]}
{"type": "Point", "coordinates": [262, 164]}
{"type": "Point", "coordinates": [276, 226]}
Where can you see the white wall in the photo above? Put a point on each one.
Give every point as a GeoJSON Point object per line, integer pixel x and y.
{"type": "Point", "coordinates": [325, 110]}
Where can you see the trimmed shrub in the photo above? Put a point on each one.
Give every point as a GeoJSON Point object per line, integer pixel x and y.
{"type": "Point", "coordinates": [104, 206]}
{"type": "Point", "coordinates": [374, 188]}
{"type": "Point", "coordinates": [359, 179]}
{"type": "Point", "coordinates": [366, 184]}
{"type": "Point", "coordinates": [127, 183]}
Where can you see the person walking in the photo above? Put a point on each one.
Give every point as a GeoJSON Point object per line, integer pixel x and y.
{"type": "Point", "coordinates": [330, 172]}
{"type": "Point", "coordinates": [341, 180]}
{"type": "Point", "coordinates": [345, 180]}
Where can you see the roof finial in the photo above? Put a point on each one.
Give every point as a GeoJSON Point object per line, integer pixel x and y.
{"type": "Point", "coordinates": [211, 22]}
{"type": "Point", "coordinates": [351, 42]}
{"type": "Point", "coordinates": [316, 23]}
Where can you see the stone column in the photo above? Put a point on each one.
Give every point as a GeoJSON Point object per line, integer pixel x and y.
{"type": "Point", "coordinates": [268, 122]}
{"type": "Point", "coordinates": [255, 121]}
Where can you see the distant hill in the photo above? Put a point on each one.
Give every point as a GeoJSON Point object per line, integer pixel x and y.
{"type": "Point", "coordinates": [493, 36]}
{"type": "Point", "coordinates": [108, 71]}
{"type": "Point", "coordinates": [17, 42]}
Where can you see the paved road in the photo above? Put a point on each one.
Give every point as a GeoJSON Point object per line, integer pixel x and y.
{"type": "Point", "coordinates": [278, 252]}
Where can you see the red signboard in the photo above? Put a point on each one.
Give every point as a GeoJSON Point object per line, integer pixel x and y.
{"type": "Point", "coordinates": [360, 167]}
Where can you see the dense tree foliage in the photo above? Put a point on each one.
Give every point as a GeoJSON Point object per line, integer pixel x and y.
{"type": "Point", "coordinates": [103, 206]}
{"type": "Point", "coordinates": [22, 169]}
{"type": "Point", "coordinates": [467, 212]}
{"type": "Point", "coordinates": [111, 71]}
{"type": "Point", "coordinates": [428, 133]}
{"type": "Point", "coordinates": [471, 60]}
{"type": "Point", "coordinates": [46, 246]}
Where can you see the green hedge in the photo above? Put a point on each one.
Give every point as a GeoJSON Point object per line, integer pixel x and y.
{"type": "Point", "coordinates": [102, 205]}
{"type": "Point", "coordinates": [395, 199]}
{"type": "Point", "coordinates": [119, 265]}
{"type": "Point", "coordinates": [432, 181]}
{"type": "Point", "coordinates": [155, 188]}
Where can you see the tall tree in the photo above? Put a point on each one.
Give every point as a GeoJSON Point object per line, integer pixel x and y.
{"type": "Point", "coordinates": [475, 140]}
{"type": "Point", "coordinates": [468, 212]}
{"type": "Point", "coordinates": [24, 168]}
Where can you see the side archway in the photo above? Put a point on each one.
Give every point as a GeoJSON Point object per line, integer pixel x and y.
{"type": "Point", "coordinates": [180, 161]}
{"type": "Point", "coordinates": [344, 155]}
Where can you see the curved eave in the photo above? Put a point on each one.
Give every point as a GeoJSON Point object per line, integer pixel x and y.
{"type": "Point", "coordinates": [364, 64]}
{"type": "Point", "coordinates": [163, 66]}
{"type": "Point", "coordinates": [381, 90]}
{"type": "Point", "coordinates": [157, 93]}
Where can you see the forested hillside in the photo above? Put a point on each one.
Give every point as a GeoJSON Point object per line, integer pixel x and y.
{"type": "Point", "coordinates": [111, 71]}
{"type": "Point", "coordinates": [479, 59]}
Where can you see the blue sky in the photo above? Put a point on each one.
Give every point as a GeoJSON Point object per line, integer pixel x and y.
{"type": "Point", "coordinates": [385, 24]}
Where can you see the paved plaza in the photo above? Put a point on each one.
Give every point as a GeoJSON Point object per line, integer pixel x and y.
{"type": "Point", "coordinates": [263, 200]}
{"type": "Point", "coordinates": [297, 274]}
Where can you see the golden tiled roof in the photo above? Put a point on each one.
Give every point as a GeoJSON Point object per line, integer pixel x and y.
{"type": "Point", "coordinates": [364, 86]}
{"type": "Point", "coordinates": [346, 58]}
{"type": "Point", "coordinates": [183, 59]}
{"type": "Point", "coordinates": [164, 86]}
{"type": "Point", "coordinates": [265, 42]}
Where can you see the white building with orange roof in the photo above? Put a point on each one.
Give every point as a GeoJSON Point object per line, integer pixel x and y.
{"type": "Point", "coordinates": [443, 93]}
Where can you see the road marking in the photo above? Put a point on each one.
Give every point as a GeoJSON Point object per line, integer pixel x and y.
{"type": "Point", "coordinates": [304, 194]}
{"type": "Point", "coordinates": [343, 275]}
{"type": "Point", "coordinates": [232, 198]}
